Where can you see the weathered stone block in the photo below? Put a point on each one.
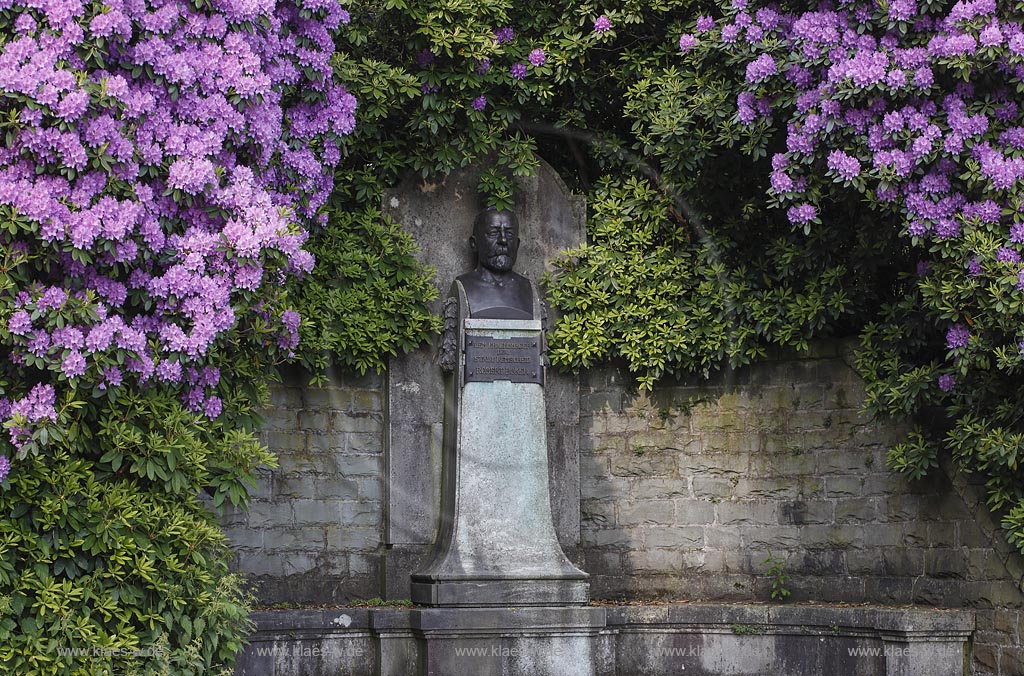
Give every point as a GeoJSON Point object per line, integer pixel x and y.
{"type": "Point", "coordinates": [844, 486]}
{"type": "Point", "coordinates": [597, 513]}
{"type": "Point", "coordinates": [785, 464]}
{"type": "Point", "coordinates": [326, 398]}
{"type": "Point", "coordinates": [349, 538]}
{"type": "Point", "coordinates": [609, 444]}
{"type": "Point", "coordinates": [647, 512]}
{"type": "Point", "coordinates": [367, 400]}
{"type": "Point", "coordinates": [658, 463]}
{"type": "Point", "coordinates": [986, 656]}
{"type": "Point", "coordinates": [822, 563]}
{"type": "Point", "coordinates": [372, 443]}
{"type": "Point", "coordinates": [648, 488]}
{"type": "Point", "coordinates": [286, 440]}
{"type": "Point", "coordinates": [674, 537]}
{"type": "Point", "coordinates": [768, 489]}
{"type": "Point", "coordinates": [1011, 661]}
{"type": "Point", "coordinates": [945, 563]}
{"type": "Point", "coordinates": [720, 489]}
{"type": "Point", "coordinates": [293, 539]}
{"type": "Point", "coordinates": [307, 512]}
{"type": "Point", "coordinates": [747, 512]}
{"type": "Point", "coordinates": [354, 465]}
{"type": "Point", "coordinates": [361, 514]}
{"type": "Point", "coordinates": [696, 512]}
{"type": "Point", "coordinates": [599, 401]}
{"type": "Point", "coordinates": [717, 465]}
{"type": "Point", "coordinates": [284, 397]}
{"type": "Point", "coordinates": [245, 538]}
{"type": "Point", "coordinates": [656, 560]}
{"type": "Point", "coordinates": [263, 513]}
{"type": "Point", "coordinates": [334, 487]}
{"type": "Point", "coordinates": [355, 422]}
{"type": "Point", "coordinates": [280, 420]}
{"type": "Point", "coordinates": [619, 538]}
{"type": "Point", "coordinates": [771, 537]}
{"type": "Point", "coordinates": [294, 485]}
{"type": "Point", "coordinates": [731, 443]}
{"type": "Point", "coordinates": [654, 441]}
{"type": "Point", "coordinates": [314, 420]}
{"type": "Point", "coordinates": [942, 534]}
{"type": "Point", "coordinates": [856, 510]}
{"type": "Point", "coordinates": [326, 443]}
{"type": "Point", "coordinates": [801, 512]}
{"type": "Point", "coordinates": [846, 461]}
{"type": "Point", "coordinates": [724, 538]}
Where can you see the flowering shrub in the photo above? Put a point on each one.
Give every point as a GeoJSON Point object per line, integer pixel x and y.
{"type": "Point", "coordinates": [912, 108]}
{"type": "Point", "coordinates": [160, 162]}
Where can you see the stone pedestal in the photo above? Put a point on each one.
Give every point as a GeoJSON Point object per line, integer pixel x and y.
{"type": "Point", "coordinates": [497, 544]}
{"type": "Point", "coordinates": [438, 214]}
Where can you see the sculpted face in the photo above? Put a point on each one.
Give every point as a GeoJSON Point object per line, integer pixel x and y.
{"type": "Point", "coordinates": [495, 240]}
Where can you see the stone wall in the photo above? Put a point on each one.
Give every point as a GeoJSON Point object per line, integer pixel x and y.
{"type": "Point", "coordinates": [686, 491]}
{"type": "Point", "coordinates": [683, 493]}
{"type": "Point", "coordinates": [314, 528]}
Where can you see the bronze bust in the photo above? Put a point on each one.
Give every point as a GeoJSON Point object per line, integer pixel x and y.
{"type": "Point", "coordinates": [494, 291]}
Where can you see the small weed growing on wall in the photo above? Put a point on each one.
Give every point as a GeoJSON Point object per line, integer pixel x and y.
{"type": "Point", "coordinates": [777, 574]}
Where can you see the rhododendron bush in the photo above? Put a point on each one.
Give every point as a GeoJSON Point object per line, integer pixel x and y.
{"type": "Point", "coordinates": [914, 109]}
{"type": "Point", "coordinates": [162, 162]}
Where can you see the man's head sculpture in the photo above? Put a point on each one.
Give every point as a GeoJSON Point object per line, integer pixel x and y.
{"type": "Point", "coordinates": [493, 290]}
{"type": "Point", "coordinates": [495, 240]}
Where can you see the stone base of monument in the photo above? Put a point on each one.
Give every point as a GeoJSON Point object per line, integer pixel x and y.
{"type": "Point", "coordinates": [497, 544]}
{"type": "Point", "coordinates": [693, 639]}
{"type": "Point", "coordinates": [475, 592]}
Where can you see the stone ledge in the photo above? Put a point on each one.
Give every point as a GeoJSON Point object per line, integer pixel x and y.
{"type": "Point", "coordinates": [707, 639]}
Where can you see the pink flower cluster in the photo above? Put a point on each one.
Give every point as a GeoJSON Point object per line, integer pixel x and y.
{"type": "Point", "coordinates": [160, 185]}
{"type": "Point", "coordinates": [914, 105]}
{"type": "Point", "coordinates": [867, 103]}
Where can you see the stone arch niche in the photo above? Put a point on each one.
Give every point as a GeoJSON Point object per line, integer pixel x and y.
{"type": "Point", "coordinates": [439, 214]}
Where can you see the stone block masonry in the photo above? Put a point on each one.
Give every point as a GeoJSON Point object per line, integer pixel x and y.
{"type": "Point", "coordinates": [313, 532]}
{"type": "Point", "coordinates": [683, 492]}
{"type": "Point", "coordinates": [687, 490]}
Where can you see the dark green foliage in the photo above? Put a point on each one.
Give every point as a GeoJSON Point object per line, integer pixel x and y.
{"type": "Point", "coordinates": [108, 551]}
{"type": "Point", "coordinates": [368, 297]}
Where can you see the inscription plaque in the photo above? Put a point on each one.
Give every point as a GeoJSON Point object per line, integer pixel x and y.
{"type": "Point", "coordinates": [514, 359]}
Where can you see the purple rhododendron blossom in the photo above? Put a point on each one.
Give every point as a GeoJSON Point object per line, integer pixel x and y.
{"type": "Point", "coordinates": [801, 214]}
{"type": "Point", "coordinates": [704, 24]}
{"type": "Point", "coordinates": [504, 35]}
{"type": "Point", "coordinates": [844, 165]}
{"type": "Point", "coordinates": [687, 42]}
{"type": "Point", "coordinates": [537, 57]}
{"type": "Point", "coordinates": [1007, 255]}
{"type": "Point", "coordinates": [602, 24]}
{"type": "Point", "coordinates": [479, 103]}
{"type": "Point", "coordinates": [518, 71]}
{"type": "Point", "coordinates": [947, 382]}
{"type": "Point", "coordinates": [20, 323]}
{"type": "Point", "coordinates": [761, 68]}
{"type": "Point", "coordinates": [957, 336]}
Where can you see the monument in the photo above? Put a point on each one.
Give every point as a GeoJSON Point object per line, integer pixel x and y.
{"type": "Point", "coordinates": [496, 545]}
